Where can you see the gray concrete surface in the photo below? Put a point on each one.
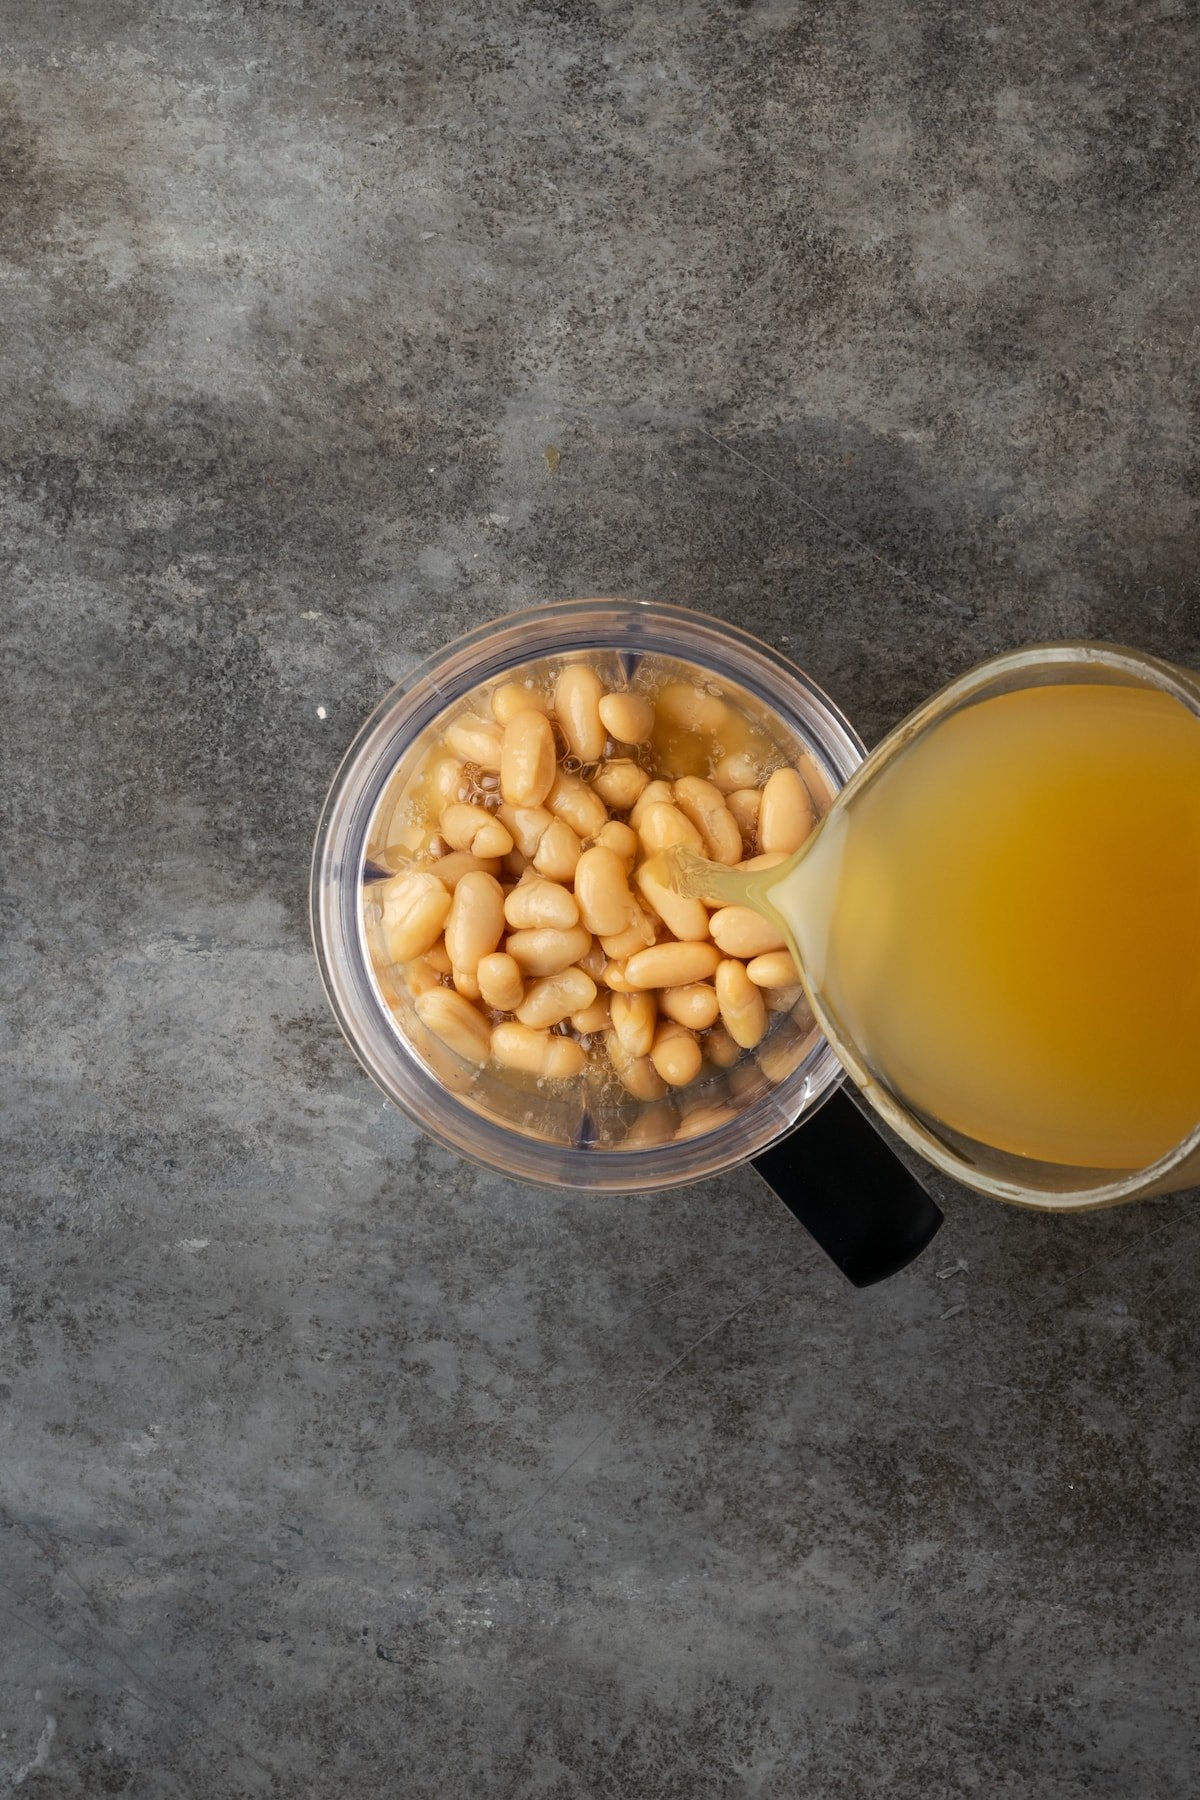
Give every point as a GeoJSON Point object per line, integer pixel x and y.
{"type": "Point", "coordinates": [331, 1466]}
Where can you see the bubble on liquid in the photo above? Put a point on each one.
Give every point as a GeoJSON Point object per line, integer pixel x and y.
{"type": "Point", "coordinates": [572, 765]}
{"type": "Point", "coordinates": [589, 771]}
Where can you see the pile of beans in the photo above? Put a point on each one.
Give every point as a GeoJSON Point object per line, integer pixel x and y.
{"type": "Point", "coordinates": [528, 927]}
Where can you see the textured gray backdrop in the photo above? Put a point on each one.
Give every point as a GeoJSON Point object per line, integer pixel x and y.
{"type": "Point", "coordinates": [330, 1466]}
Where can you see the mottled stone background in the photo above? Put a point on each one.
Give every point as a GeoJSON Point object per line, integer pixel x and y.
{"type": "Point", "coordinates": [331, 1466]}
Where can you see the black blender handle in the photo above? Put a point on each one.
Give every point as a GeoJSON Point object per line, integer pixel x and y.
{"type": "Point", "coordinates": [850, 1190]}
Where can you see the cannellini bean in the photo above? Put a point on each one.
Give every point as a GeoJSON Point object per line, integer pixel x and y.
{"type": "Point", "coordinates": [655, 793]}
{"type": "Point", "coordinates": [785, 816]}
{"type": "Point", "coordinates": [694, 1005]}
{"type": "Point", "coordinates": [639, 934]}
{"type": "Point", "coordinates": [621, 838]}
{"type": "Point", "coordinates": [783, 999]}
{"type": "Point", "coordinates": [613, 977]}
{"type": "Point", "coordinates": [594, 1018]}
{"type": "Point", "coordinates": [620, 782]}
{"type": "Point", "coordinates": [437, 957]}
{"type": "Point", "coordinates": [779, 1057]}
{"type": "Point", "coordinates": [445, 779]}
{"type": "Point", "coordinates": [451, 869]}
{"type": "Point", "coordinates": [421, 977]}
{"type": "Point", "coordinates": [593, 963]}
{"type": "Point", "coordinates": [682, 915]}
{"type": "Point", "coordinates": [672, 965]}
{"type": "Point", "coordinates": [636, 1074]}
{"type": "Point", "coordinates": [771, 968]}
{"type": "Point", "coordinates": [602, 890]}
{"type": "Point", "coordinates": [720, 1048]}
{"type": "Point", "coordinates": [661, 827]}
{"type": "Point", "coordinates": [655, 1124]}
{"type": "Point", "coordinates": [691, 708]}
{"type": "Point", "coordinates": [467, 983]}
{"type": "Point", "coordinates": [526, 825]}
{"type": "Point", "coordinates": [703, 1119]}
{"type": "Point", "coordinates": [771, 859]}
{"type": "Point", "coordinates": [558, 852]}
{"type": "Point", "coordinates": [634, 1018]}
{"type": "Point", "coordinates": [705, 806]}
{"type": "Point", "coordinates": [539, 1053]}
{"type": "Point", "coordinates": [473, 828]}
{"type": "Point", "coordinates": [815, 780]}
{"type": "Point", "coordinates": [577, 695]}
{"type": "Point", "coordinates": [545, 951]}
{"type": "Point", "coordinates": [536, 902]}
{"type": "Point", "coordinates": [676, 1055]}
{"type": "Point", "coordinates": [415, 906]}
{"type": "Point", "coordinates": [475, 740]}
{"type": "Point", "coordinates": [740, 931]}
{"type": "Point", "coordinates": [528, 759]}
{"type": "Point", "coordinates": [501, 984]}
{"type": "Point", "coordinates": [555, 997]}
{"type": "Point", "coordinates": [744, 803]}
{"type": "Point", "coordinates": [513, 697]}
{"type": "Point", "coordinates": [475, 922]}
{"type": "Point", "coordinates": [627, 717]}
{"type": "Point", "coordinates": [456, 1022]}
{"type": "Point", "coordinates": [737, 770]}
{"type": "Point", "coordinates": [743, 1013]}
{"type": "Point", "coordinates": [577, 805]}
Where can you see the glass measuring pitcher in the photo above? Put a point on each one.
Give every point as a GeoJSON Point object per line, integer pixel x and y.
{"type": "Point", "coordinates": [1010, 877]}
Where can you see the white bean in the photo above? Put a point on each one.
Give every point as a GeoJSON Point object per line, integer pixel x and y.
{"type": "Point", "coordinates": [771, 969]}
{"type": "Point", "coordinates": [526, 825]}
{"type": "Point", "coordinates": [577, 805]}
{"type": "Point", "coordinates": [594, 1018]}
{"type": "Point", "coordinates": [456, 1022]}
{"type": "Point", "coordinates": [737, 770]}
{"type": "Point", "coordinates": [785, 816]}
{"type": "Point", "coordinates": [528, 759]}
{"type": "Point", "coordinates": [501, 983]}
{"type": "Point", "coordinates": [475, 740]}
{"type": "Point", "coordinates": [676, 1055]}
{"type": "Point", "coordinates": [473, 828]}
{"type": "Point", "coordinates": [705, 806]}
{"type": "Point", "coordinates": [720, 1048]}
{"type": "Point", "coordinates": [415, 906]}
{"type": "Point", "coordinates": [744, 803]}
{"type": "Point", "coordinates": [636, 1074]}
{"type": "Point", "coordinates": [545, 951]}
{"type": "Point", "coordinates": [475, 922]}
{"type": "Point", "coordinates": [740, 931]}
{"type": "Point", "coordinates": [534, 903]}
{"type": "Point", "coordinates": [672, 965]}
{"type": "Point", "coordinates": [681, 915]}
{"type": "Point", "coordinates": [634, 1017]}
{"type": "Point", "coordinates": [627, 717]}
{"type": "Point", "coordinates": [555, 997]}
{"type": "Point", "coordinates": [655, 793]}
{"type": "Point", "coordinates": [621, 838]}
{"type": "Point", "coordinates": [691, 708]}
{"type": "Point", "coordinates": [639, 934]}
{"type": "Point", "coordinates": [558, 852]}
{"type": "Point", "coordinates": [602, 891]}
{"type": "Point", "coordinates": [451, 869]}
{"type": "Point", "coordinates": [743, 1013]}
{"type": "Point", "coordinates": [539, 1053]}
{"type": "Point", "coordinates": [663, 827]}
{"type": "Point", "coordinates": [619, 783]}
{"type": "Point", "coordinates": [577, 695]}
{"type": "Point", "coordinates": [513, 697]}
{"type": "Point", "coordinates": [694, 1005]}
